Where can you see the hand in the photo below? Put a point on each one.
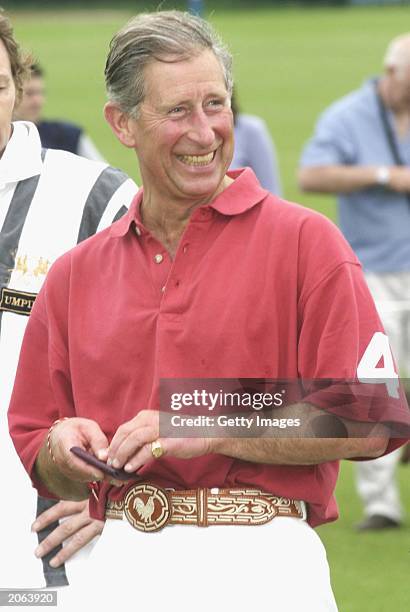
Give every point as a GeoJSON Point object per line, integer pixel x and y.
{"type": "Point", "coordinates": [130, 447]}
{"type": "Point", "coordinates": [405, 456]}
{"type": "Point", "coordinates": [77, 432]}
{"type": "Point", "coordinates": [75, 531]}
{"type": "Point", "coordinates": [399, 179]}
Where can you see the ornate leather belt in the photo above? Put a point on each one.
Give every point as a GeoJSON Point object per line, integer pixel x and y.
{"type": "Point", "coordinates": [150, 508]}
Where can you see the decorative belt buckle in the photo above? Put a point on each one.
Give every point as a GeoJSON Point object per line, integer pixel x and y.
{"type": "Point", "coordinates": [147, 507]}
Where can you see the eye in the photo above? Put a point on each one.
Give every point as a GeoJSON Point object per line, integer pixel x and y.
{"type": "Point", "coordinates": [215, 103]}
{"type": "Point", "coordinates": [176, 110]}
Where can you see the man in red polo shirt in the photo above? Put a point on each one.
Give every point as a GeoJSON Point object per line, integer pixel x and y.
{"type": "Point", "coordinates": [208, 277]}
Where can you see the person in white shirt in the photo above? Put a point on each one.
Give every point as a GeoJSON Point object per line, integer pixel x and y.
{"type": "Point", "coordinates": [49, 201]}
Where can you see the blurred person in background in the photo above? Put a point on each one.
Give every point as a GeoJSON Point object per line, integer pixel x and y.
{"type": "Point", "coordinates": [49, 201]}
{"type": "Point", "coordinates": [361, 151]}
{"type": "Point", "coordinates": [254, 148]}
{"type": "Point", "coordinates": [53, 134]}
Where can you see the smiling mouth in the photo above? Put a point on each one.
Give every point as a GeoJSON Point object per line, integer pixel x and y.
{"type": "Point", "coordinates": [197, 160]}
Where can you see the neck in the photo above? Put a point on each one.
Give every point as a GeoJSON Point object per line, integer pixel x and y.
{"type": "Point", "coordinates": [167, 219]}
{"type": "Point", "coordinates": [386, 92]}
{"type": "Point", "coordinates": [166, 223]}
{"type": "Point", "coordinates": [400, 111]}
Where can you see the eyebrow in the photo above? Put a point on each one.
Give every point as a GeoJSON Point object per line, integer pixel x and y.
{"type": "Point", "coordinates": [180, 102]}
{"type": "Point", "coordinates": [171, 103]}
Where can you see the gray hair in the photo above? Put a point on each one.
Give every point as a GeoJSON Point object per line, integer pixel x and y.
{"type": "Point", "coordinates": [157, 36]}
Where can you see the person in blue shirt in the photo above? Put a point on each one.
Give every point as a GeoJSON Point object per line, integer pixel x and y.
{"type": "Point", "coordinates": [55, 134]}
{"type": "Point", "coordinates": [361, 151]}
{"type": "Point", "coordinates": [254, 148]}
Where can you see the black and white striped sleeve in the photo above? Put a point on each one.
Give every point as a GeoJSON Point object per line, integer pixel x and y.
{"type": "Point", "coordinates": [109, 198]}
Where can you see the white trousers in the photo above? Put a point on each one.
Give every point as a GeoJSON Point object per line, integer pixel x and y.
{"type": "Point", "coordinates": [377, 486]}
{"type": "Point", "coordinates": [376, 479]}
{"type": "Point", "coordinates": [280, 565]}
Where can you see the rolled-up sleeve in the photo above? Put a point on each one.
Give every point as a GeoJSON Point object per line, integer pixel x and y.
{"type": "Point", "coordinates": [340, 323]}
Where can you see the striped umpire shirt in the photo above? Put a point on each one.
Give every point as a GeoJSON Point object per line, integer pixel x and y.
{"type": "Point", "coordinates": [49, 201]}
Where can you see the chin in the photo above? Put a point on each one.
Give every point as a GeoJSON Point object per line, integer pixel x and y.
{"type": "Point", "coordinates": [207, 183]}
{"type": "Point", "coordinates": [203, 190]}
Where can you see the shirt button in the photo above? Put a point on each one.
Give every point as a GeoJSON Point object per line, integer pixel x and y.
{"type": "Point", "coordinates": [158, 258]}
{"type": "Point", "coordinates": [137, 230]}
{"type": "Point", "coordinates": [163, 289]}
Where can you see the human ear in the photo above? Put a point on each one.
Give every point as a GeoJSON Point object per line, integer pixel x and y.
{"type": "Point", "coordinates": [120, 123]}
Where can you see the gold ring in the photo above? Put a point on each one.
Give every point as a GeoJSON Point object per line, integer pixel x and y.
{"type": "Point", "coordinates": [156, 449]}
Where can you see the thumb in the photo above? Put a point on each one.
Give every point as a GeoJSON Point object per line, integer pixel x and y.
{"type": "Point", "coordinates": [93, 436]}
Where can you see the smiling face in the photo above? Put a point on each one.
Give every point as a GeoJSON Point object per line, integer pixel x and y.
{"type": "Point", "coordinates": [7, 97]}
{"type": "Point", "coordinates": [184, 132]}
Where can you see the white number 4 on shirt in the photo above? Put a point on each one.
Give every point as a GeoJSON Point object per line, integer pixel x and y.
{"type": "Point", "coordinates": [368, 367]}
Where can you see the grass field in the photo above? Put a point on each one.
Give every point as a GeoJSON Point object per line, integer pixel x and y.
{"type": "Point", "coordinates": [370, 572]}
{"type": "Point", "coordinates": [289, 65]}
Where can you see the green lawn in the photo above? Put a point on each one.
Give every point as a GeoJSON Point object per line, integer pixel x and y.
{"type": "Point", "coordinates": [289, 65]}
{"type": "Point", "coordinates": [370, 572]}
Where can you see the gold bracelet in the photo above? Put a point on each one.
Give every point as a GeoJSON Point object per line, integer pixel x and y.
{"type": "Point", "coordinates": [49, 436]}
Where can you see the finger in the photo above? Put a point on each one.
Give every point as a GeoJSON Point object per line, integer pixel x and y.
{"type": "Point", "coordinates": [143, 419]}
{"type": "Point", "coordinates": [131, 444]}
{"type": "Point", "coordinates": [63, 440]}
{"type": "Point", "coordinates": [65, 530]}
{"type": "Point", "coordinates": [58, 511]}
{"type": "Point", "coordinates": [143, 456]}
{"type": "Point", "coordinates": [77, 469]}
{"type": "Point", "coordinates": [78, 541]}
{"type": "Point", "coordinates": [93, 436]}
{"type": "Point", "coordinates": [120, 435]}
{"type": "Point", "coordinates": [102, 454]}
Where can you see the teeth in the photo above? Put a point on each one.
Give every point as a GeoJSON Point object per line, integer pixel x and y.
{"type": "Point", "coordinates": [197, 160]}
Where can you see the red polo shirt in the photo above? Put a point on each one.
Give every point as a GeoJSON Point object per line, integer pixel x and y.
{"type": "Point", "coordinates": [258, 288]}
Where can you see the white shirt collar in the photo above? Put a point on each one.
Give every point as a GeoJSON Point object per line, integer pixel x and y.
{"type": "Point", "coordinates": [22, 156]}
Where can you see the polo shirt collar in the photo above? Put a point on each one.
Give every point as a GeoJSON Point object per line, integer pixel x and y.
{"type": "Point", "coordinates": [22, 156]}
{"type": "Point", "coordinates": [241, 195]}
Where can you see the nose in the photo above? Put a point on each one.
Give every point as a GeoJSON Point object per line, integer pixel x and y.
{"type": "Point", "coordinates": [200, 129]}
